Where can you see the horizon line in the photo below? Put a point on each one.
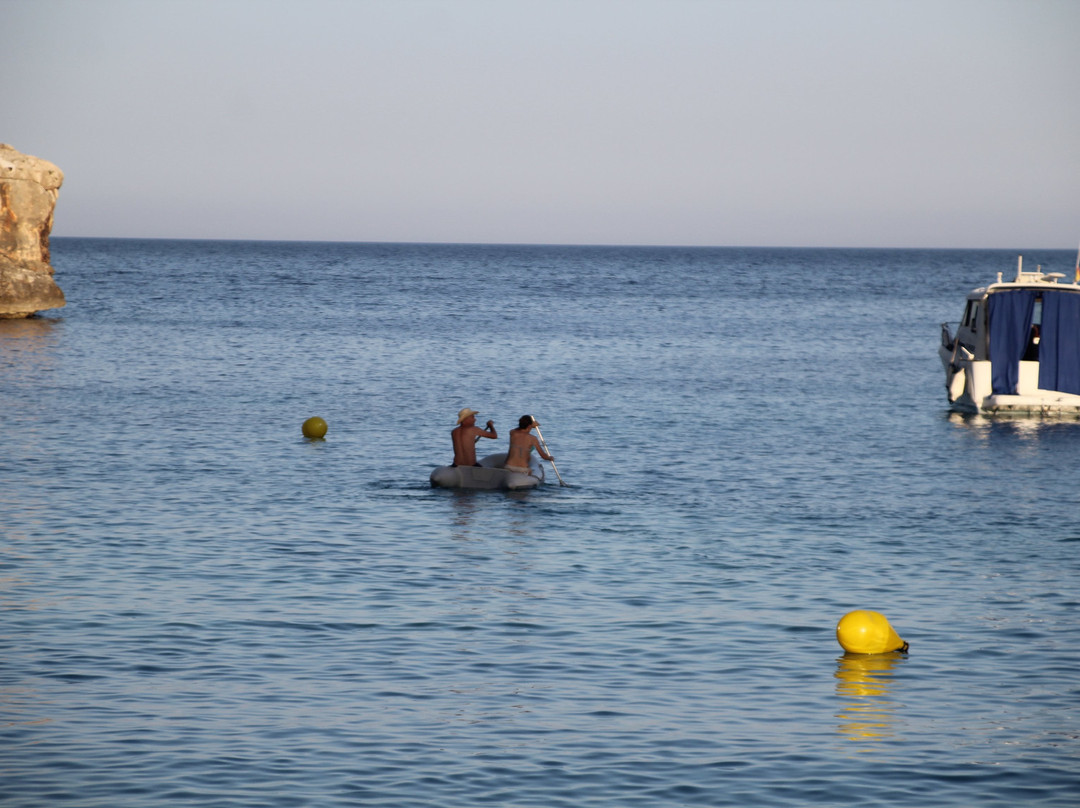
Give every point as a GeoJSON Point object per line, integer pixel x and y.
{"type": "Point", "coordinates": [552, 244]}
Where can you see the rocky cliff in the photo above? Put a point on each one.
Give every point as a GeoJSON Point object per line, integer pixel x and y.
{"type": "Point", "coordinates": [28, 190]}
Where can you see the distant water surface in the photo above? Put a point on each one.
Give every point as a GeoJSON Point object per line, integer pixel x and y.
{"type": "Point", "coordinates": [201, 608]}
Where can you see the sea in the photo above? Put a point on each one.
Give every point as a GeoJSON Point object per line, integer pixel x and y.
{"type": "Point", "coordinates": [201, 607]}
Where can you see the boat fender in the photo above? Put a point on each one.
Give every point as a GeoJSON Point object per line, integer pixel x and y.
{"type": "Point", "coordinates": [956, 383]}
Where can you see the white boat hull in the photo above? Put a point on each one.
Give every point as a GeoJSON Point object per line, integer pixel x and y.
{"type": "Point", "coordinates": [489, 475]}
{"type": "Point", "coordinates": [969, 388]}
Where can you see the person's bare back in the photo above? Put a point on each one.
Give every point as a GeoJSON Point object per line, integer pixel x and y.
{"type": "Point", "coordinates": [522, 441]}
{"type": "Point", "coordinates": [465, 435]}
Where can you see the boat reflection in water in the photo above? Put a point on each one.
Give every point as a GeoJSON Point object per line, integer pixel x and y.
{"type": "Point", "coordinates": [1027, 427]}
{"type": "Point", "coordinates": [864, 689]}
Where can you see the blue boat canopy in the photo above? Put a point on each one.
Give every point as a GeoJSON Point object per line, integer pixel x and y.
{"type": "Point", "coordinates": [1011, 313]}
{"type": "Point", "coordinates": [1059, 361]}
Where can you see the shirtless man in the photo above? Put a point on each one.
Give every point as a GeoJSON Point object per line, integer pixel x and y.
{"type": "Point", "coordinates": [522, 441]}
{"type": "Point", "coordinates": [465, 434]}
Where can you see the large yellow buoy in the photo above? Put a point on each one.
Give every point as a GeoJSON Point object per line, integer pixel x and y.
{"type": "Point", "coordinates": [866, 632]}
{"type": "Point", "coordinates": [314, 428]}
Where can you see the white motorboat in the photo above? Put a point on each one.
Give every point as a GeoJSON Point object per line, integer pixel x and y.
{"type": "Point", "coordinates": [1017, 348]}
{"type": "Point", "coordinates": [490, 475]}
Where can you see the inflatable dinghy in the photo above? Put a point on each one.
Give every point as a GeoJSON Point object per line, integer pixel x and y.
{"type": "Point", "coordinates": [489, 475]}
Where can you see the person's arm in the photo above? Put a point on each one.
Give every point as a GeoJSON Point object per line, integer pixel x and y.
{"type": "Point", "coordinates": [487, 433]}
{"type": "Point", "coordinates": [540, 449]}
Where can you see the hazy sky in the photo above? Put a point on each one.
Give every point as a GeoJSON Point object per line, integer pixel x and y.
{"type": "Point", "coordinates": [944, 123]}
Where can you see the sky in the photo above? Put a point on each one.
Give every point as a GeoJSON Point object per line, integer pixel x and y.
{"type": "Point", "coordinates": [789, 123]}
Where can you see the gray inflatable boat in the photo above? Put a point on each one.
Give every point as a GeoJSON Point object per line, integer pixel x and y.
{"type": "Point", "coordinates": [489, 475]}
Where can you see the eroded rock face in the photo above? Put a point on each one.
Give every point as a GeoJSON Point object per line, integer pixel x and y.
{"type": "Point", "coordinates": [28, 190]}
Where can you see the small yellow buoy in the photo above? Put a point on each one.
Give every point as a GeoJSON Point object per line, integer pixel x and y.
{"type": "Point", "coordinates": [866, 632]}
{"type": "Point", "coordinates": [314, 428]}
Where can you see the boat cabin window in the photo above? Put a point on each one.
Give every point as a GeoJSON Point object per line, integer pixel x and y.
{"type": "Point", "coordinates": [973, 320]}
{"type": "Point", "coordinates": [969, 313]}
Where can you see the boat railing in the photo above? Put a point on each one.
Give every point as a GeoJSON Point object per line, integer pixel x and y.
{"type": "Point", "coordinates": [1038, 276]}
{"type": "Point", "coordinates": [947, 339]}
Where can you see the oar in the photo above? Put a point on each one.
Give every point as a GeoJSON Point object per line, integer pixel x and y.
{"type": "Point", "coordinates": [540, 435]}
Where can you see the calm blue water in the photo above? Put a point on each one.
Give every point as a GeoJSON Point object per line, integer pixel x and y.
{"type": "Point", "coordinates": [201, 608]}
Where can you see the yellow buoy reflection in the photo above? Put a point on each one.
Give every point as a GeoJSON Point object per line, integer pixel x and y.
{"type": "Point", "coordinates": [864, 689]}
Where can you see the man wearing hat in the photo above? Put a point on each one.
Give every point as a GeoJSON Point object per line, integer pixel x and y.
{"type": "Point", "coordinates": [465, 435]}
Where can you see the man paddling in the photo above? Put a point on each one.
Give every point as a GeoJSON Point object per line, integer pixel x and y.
{"type": "Point", "coordinates": [465, 435]}
{"type": "Point", "coordinates": [522, 441]}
